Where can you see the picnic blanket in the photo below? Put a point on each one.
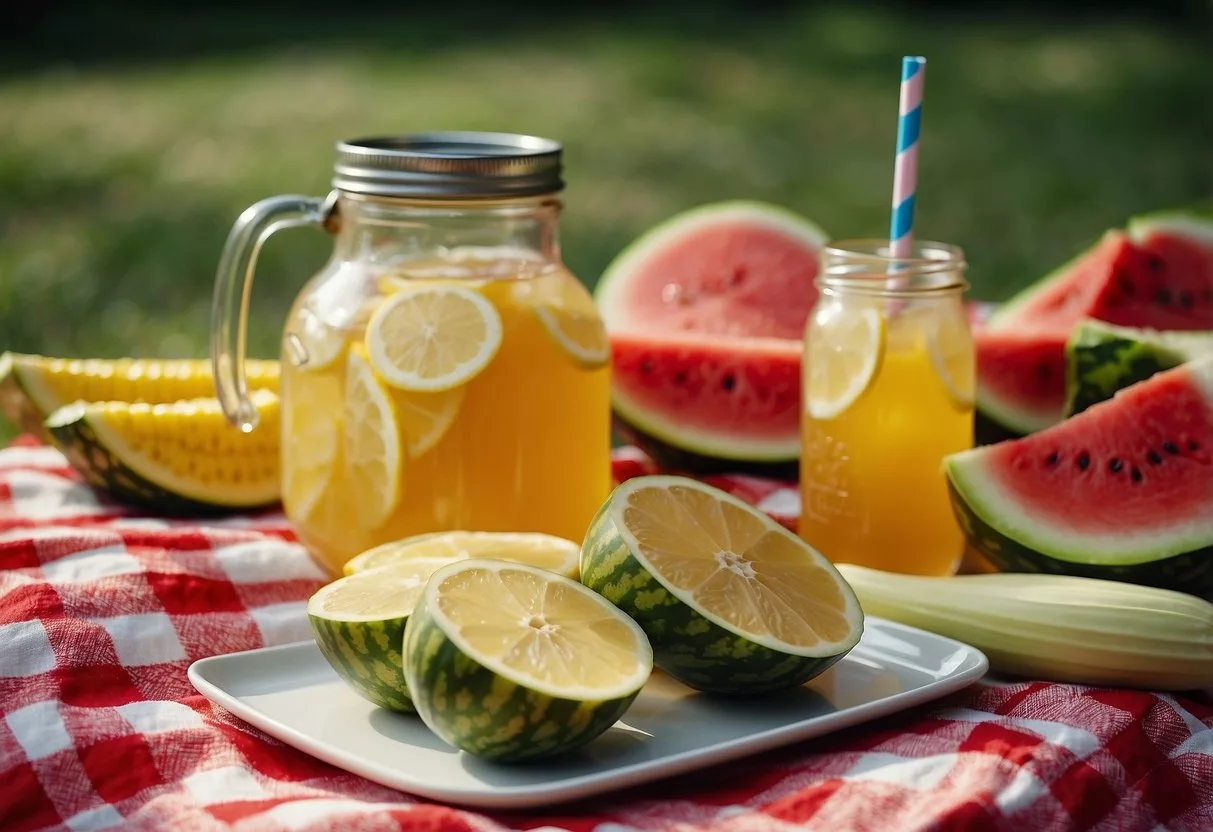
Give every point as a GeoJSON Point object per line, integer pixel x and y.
{"type": "Point", "coordinates": [102, 611]}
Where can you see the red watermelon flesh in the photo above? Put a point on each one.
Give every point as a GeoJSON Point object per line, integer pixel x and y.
{"type": "Point", "coordinates": [735, 269]}
{"type": "Point", "coordinates": [1021, 377]}
{"type": "Point", "coordinates": [1167, 284]}
{"type": "Point", "coordinates": [1126, 481]}
{"type": "Point", "coordinates": [725, 399]}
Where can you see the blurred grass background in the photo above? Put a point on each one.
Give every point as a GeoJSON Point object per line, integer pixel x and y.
{"type": "Point", "coordinates": [132, 136]}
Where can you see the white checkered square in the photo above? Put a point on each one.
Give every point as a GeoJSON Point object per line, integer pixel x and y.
{"type": "Point", "coordinates": [27, 650]}
{"type": "Point", "coordinates": [92, 564]}
{"type": "Point", "coordinates": [224, 785]}
{"type": "Point", "coordinates": [100, 817]}
{"type": "Point", "coordinates": [154, 715]}
{"type": "Point", "coordinates": [39, 496]}
{"type": "Point", "coordinates": [282, 623]}
{"type": "Point", "coordinates": [39, 729]}
{"type": "Point", "coordinates": [143, 639]}
{"type": "Point", "coordinates": [261, 561]}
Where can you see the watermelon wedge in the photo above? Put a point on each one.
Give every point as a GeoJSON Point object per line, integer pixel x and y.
{"type": "Point", "coordinates": [706, 315]}
{"type": "Point", "coordinates": [707, 405]}
{"type": "Point", "coordinates": [1120, 491]}
{"type": "Point", "coordinates": [1103, 358]}
{"type": "Point", "coordinates": [737, 268]}
{"type": "Point", "coordinates": [1157, 274]}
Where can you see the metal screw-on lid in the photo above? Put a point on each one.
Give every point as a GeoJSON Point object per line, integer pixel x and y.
{"type": "Point", "coordinates": [449, 165]}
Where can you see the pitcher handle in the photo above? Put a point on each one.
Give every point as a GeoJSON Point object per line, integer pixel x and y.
{"type": "Point", "coordinates": [233, 287]}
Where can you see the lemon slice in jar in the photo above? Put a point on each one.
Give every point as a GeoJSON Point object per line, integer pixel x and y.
{"type": "Point", "coordinates": [432, 338]}
{"type": "Point", "coordinates": [950, 345]}
{"type": "Point", "coordinates": [843, 355]}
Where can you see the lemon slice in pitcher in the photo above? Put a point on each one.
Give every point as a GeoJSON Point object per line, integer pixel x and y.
{"type": "Point", "coordinates": [843, 356]}
{"type": "Point", "coordinates": [533, 548]}
{"type": "Point", "coordinates": [372, 444]}
{"type": "Point", "coordinates": [431, 338]}
{"type": "Point", "coordinates": [732, 602]}
{"type": "Point", "coordinates": [568, 314]}
{"type": "Point", "coordinates": [510, 662]}
{"type": "Point", "coordinates": [311, 431]}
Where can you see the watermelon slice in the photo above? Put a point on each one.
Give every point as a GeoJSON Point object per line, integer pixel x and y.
{"type": "Point", "coordinates": [706, 314]}
{"type": "Point", "coordinates": [1119, 491]}
{"type": "Point", "coordinates": [1103, 358]}
{"type": "Point", "coordinates": [1157, 275]}
{"type": "Point", "coordinates": [710, 405]}
{"type": "Point", "coordinates": [734, 268]}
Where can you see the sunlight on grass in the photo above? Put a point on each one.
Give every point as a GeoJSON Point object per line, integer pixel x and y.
{"type": "Point", "coordinates": [122, 180]}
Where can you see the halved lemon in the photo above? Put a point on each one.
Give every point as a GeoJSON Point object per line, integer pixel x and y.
{"type": "Point", "coordinates": [842, 357]}
{"type": "Point", "coordinates": [732, 601]}
{"type": "Point", "coordinates": [950, 344]}
{"type": "Point", "coordinates": [429, 338]}
{"type": "Point", "coordinates": [532, 548]}
{"type": "Point", "coordinates": [424, 418]}
{"type": "Point", "coordinates": [371, 452]}
{"type": "Point", "coordinates": [358, 623]}
{"type": "Point", "coordinates": [511, 662]}
{"type": "Point", "coordinates": [570, 317]}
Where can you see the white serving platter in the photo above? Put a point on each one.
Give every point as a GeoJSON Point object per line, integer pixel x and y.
{"type": "Point", "coordinates": [291, 693]}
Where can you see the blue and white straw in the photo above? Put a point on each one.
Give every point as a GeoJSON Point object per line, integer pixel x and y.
{"type": "Point", "coordinates": [905, 172]}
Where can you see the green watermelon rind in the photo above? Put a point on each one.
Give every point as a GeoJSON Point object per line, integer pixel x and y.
{"type": "Point", "coordinates": [1102, 358]}
{"type": "Point", "coordinates": [479, 709]}
{"type": "Point", "coordinates": [106, 463]}
{"type": "Point", "coordinates": [367, 655]}
{"type": "Point", "coordinates": [673, 459]}
{"type": "Point", "coordinates": [692, 645]}
{"type": "Point", "coordinates": [1006, 535]}
{"type": "Point", "coordinates": [1190, 571]}
{"type": "Point", "coordinates": [614, 277]}
{"type": "Point", "coordinates": [1195, 225]}
{"type": "Point", "coordinates": [1013, 420]}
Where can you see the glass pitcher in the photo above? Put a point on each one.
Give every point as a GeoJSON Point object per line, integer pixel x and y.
{"type": "Point", "coordinates": [443, 370]}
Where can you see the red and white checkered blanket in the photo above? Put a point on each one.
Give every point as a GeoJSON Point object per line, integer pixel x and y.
{"type": "Point", "coordinates": [101, 612]}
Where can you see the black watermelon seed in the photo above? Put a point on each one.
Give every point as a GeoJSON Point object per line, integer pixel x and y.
{"type": "Point", "coordinates": [1186, 300]}
{"type": "Point", "coordinates": [1114, 465]}
{"type": "Point", "coordinates": [1163, 296]}
{"type": "Point", "coordinates": [1083, 461]}
{"type": "Point", "coordinates": [1052, 459]}
{"type": "Point", "coordinates": [1170, 447]}
{"type": "Point", "coordinates": [1154, 458]}
{"type": "Point", "coordinates": [1193, 445]}
{"type": "Point", "coordinates": [1136, 475]}
{"type": "Point", "coordinates": [680, 377]}
{"type": "Point", "coordinates": [1044, 372]}
{"type": "Point", "coordinates": [729, 381]}
{"type": "Point", "coordinates": [646, 366]}
{"type": "Point", "coordinates": [1154, 263]}
{"type": "Point", "coordinates": [1126, 284]}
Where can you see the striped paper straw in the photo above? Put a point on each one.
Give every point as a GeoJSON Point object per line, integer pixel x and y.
{"type": "Point", "coordinates": [905, 171]}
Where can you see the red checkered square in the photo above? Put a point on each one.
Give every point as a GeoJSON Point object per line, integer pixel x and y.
{"type": "Point", "coordinates": [120, 768]}
{"type": "Point", "coordinates": [24, 804]}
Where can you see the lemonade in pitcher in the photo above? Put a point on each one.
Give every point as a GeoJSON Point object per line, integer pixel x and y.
{"type": "Point", "coordinates": [888, 393]}
{"type": "Point", "coordinates": [445, 370]}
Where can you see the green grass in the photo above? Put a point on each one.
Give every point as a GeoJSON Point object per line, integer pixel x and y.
{"type": "Point", "coordinates": [120, 174]}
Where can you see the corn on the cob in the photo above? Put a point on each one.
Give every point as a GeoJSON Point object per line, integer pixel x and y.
{"type": "Point", "coordinates": [1055, 627]}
